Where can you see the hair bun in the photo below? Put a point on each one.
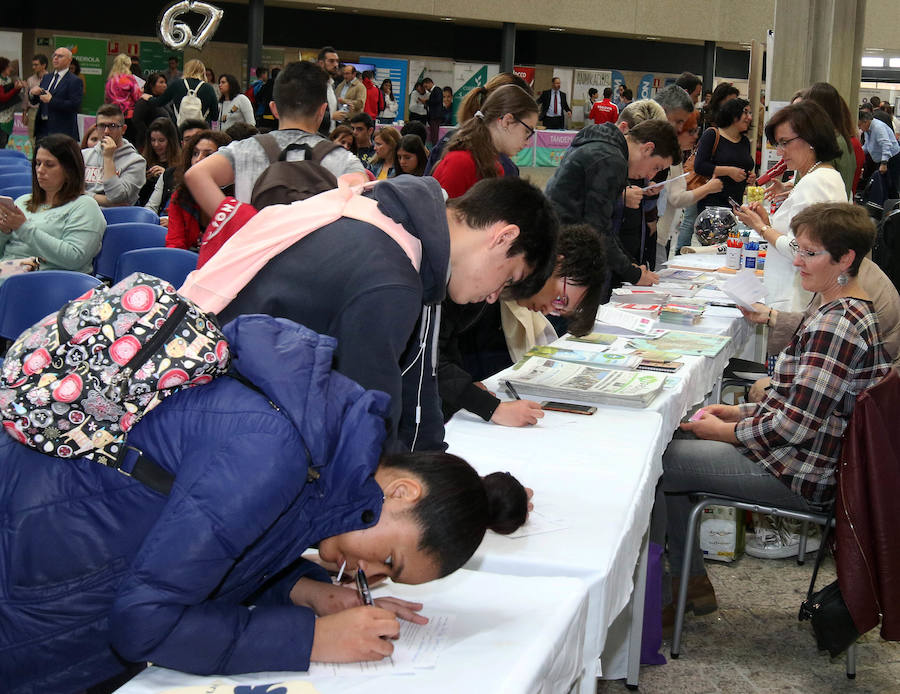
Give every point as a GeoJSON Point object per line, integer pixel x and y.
{"type": "Point", "coordinates": [507, 502]}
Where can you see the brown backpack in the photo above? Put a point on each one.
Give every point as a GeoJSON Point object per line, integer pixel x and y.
{"type": "Point", "coordinates": [284, 182]}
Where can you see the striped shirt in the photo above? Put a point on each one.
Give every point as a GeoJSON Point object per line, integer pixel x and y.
{"type": "Point", "coordinates": [796, 431]}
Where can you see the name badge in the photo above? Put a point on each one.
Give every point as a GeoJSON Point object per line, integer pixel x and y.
{"type": "Point", "coordinates": [93, 174]}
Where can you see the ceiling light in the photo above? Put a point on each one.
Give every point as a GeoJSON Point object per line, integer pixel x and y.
{"type": "Point", "coordinates": [875, 50]}
{"type": "Point", "coordinates": [651, 38]}
{"type": "Point", "coordinates": [326, 8]}
{"type": "Point", "coordinates": [872, 61]}
{"type": "Point", "coordinates": [447, 19]}
{"type": "Point", "coordinates": [556, 29]}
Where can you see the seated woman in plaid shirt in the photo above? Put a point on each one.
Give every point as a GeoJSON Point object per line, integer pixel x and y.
{"type": "Point", "coordinates": [784, 450]}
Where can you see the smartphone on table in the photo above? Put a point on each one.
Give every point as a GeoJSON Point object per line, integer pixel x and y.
{"type": "Point", "coordinates": [572, 408]}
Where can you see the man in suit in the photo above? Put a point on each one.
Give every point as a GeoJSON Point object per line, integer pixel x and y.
{"type": "Point", "coordinates": [553, 107]}
{"type": "Point", "coordinates": [435, 108]}
{"type": "Point", "coordinates": [58, 98]}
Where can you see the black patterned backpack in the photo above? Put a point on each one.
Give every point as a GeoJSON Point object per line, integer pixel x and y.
{"type": "Point", "coordinates": [74, 384]}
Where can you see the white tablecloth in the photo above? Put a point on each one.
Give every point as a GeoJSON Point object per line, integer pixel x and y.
{"type": "Point", "coordinates": [599, 472]}
{"type": "Point", "coordinates": [511, 634]}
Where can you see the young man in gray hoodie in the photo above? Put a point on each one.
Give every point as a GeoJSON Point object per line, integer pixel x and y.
{"type": "Point", "coordinates": [114, 171]}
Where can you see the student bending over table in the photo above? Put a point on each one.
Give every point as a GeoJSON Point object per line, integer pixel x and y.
{"type": "Point", "coordinates": [478, 340]}
{"type": "Point", "coordinates": [98, 573]}
{"type": "Point", "coordinates": [784, 450]}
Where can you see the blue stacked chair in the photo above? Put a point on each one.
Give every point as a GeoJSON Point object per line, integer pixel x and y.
{"type": "Point", "coordinates": [15, 191]}
{"type": "Point", "coordinates": [120, 238]}
{"type": "Point", "coordinates": [170, 264]}
{"type": "Point", "coordinates": [15, 178]}
{"type": "Point", "coordinates": [14, 166]}
{"type": "Point", "coordinates": [12, 154]}
{"type": "Point", "coordinates": [25, 299]}
{"type": "Point", "coordinates": [120, 215]}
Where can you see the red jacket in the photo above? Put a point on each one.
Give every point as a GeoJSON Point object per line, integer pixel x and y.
{"type": "Point", "coordinates": [184, 227]}
{"type": "Point", "coordinates": [867, 539]}
{"type": "Point", "coordinates": [373, 98]}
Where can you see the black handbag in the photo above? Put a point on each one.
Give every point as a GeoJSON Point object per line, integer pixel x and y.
{"type": "Point", "coordinates": [831, 621]}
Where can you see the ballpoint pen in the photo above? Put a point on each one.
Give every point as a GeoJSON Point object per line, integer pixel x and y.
{"type": "Point", "coordinates": [512, 391]}
{"type": "Point", "coordinates": [362, 585]}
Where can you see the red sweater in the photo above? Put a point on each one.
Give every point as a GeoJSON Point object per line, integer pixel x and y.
{"type": "Point", "coordinates": [456, 172]}
{"type": "Point", "coordinates": [184, 228]}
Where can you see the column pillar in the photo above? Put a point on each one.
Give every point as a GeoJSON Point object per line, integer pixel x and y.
{"type": "Point", "coordinates": [818, 41]}
{"type": "Point", "coordinates": [709, 65]}
{"type": "Point", "coordinates": [508, 47]}
{"type": "Point", "coordinates": [254, 36]}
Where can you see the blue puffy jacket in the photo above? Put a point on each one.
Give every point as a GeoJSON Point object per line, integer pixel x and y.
{"type": "Point", "coordinates": [95, 567]}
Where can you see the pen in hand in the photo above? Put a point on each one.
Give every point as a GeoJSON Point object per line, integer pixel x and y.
{"type": "Point", "coordinates": [512, 391]}
{"type": "Point", "coordinates": [362, 585]}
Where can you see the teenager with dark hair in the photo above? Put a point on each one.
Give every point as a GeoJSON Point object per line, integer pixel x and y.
{"type": "Point", "coordinates": [161, 151]}
{"type": "Point", "coordinates": [114, 171]}
{"type": "Point", "coordinates": [504, 125]}
{"type": "Point", "coordinates": [478, 340]}
{"type": "Point", "coordinates": [363, 128]}
{"type": "Point", "coordinates": [186, 220]}
{"type": "Point", "coordinates": [56, 222]}
{"type": "Point", "coordinates": [592, 176]}
{"type": "Point", "coordinates": [412, 155]}
{"type": "Point", "coordinates": [724, 152]}
{"type": "Point", "coordinates": [299, 97]}
{"type": "Point", "coordinates": [383, 312]}
{"type": "Point", "coordinates": [145, 112]}
{"type": "Point", "coordinates": [211, 577]}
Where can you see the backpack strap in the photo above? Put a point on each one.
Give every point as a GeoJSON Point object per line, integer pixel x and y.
{"type": "Point", "coordinates": [145, 470]}
{"type": "Point", "coordinates": [322, 150]}
{"type": "Point", "coordinates": [270, 146]}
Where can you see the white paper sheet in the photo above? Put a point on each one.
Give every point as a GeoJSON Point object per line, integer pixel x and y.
{"type": "Point", "coordinates": [745, 289]}
{"type": "Point", "coordinates": [419, 646]}
{"type": "Point", "coordinates": [545, 519]}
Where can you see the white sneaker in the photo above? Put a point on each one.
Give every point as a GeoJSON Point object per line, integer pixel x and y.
{"type": "Point", "coordinates": [778, 538]}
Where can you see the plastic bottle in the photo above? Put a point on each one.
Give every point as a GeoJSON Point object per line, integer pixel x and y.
{"type": "Point", "coordinates": [749, 255]}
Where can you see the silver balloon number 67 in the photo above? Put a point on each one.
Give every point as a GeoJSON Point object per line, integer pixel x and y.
{"type": "Point", "coordinates": [178, 35]}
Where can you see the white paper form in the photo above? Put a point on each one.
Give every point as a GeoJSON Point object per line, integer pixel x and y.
{"type": "Point", "coordinates": [623, 320]}
{"type": "Point", "coordinates": [745, 288]}
{"type": "Point", "coordinates": [418, 647]}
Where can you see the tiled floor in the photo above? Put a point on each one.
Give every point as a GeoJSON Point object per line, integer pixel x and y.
{"type": "Point", "coordinates": [754, 643]}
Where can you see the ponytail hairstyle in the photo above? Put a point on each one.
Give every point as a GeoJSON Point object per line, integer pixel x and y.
{"type": "Point", "coordinates": [474, 100]}
{"type": "Point", "coordinates": [474, 135]}
{"type": "Point", "coordinates": [459, 506]}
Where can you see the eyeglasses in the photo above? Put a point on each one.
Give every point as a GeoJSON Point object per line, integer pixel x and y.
{"type": "Point", "coordinates": [784, 143]}
{"type": "Point", "coordinates": [561, 302]}
{"type": "Point", "coordinates": [803, 252]}
{"type": "Point", "coordinates": [109, 126]}
{"type": "Point", "coordinates": [527, 127]}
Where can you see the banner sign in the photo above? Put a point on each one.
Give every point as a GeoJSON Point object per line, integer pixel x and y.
{"type": "Point", "coordinates": [579, 102]}
{"type": "Point", "coordinates": [618, 79]}
{"type": "Point", "coordinates": [395, 71]}
{"type": "Point", "coordinates": [645, 88]}
{"type": "Point", "coordinates": [526, 73]}
{"type": "Point", "coordinates": [550, 145]}
{"type": "Point", "coordinates": [155, 57]}
{"type": "Point", "coordinates": [466, 77]}
{"type": "Point", "coordinates": [440, 71]}
{"type": "Point", "coordinates": [91, 55]}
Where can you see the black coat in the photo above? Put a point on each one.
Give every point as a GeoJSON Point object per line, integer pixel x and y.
{"type": "Point", "coordinates": [544, 102]}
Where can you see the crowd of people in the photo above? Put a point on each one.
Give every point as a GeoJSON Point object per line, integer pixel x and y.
{"type": "Point", "coordinates": [352, 346]}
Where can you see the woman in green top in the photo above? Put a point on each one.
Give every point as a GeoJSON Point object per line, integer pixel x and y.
{"type": "Point", "coordinates": [56, 222]}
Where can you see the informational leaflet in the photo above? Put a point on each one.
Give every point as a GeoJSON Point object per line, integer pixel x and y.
{"type": "Point", "coordinates": [745, 289]}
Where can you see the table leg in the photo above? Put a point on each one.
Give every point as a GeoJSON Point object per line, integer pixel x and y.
{"type": "Point", "coordinates": [636, 630]}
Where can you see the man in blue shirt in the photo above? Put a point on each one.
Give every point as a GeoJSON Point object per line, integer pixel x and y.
{"type": "Point", "coordinates": [882, 146]}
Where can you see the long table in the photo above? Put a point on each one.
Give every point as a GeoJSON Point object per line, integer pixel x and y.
{"type": "Point", "coordinates": [598, 474]}
{"type": "Point", "coordinates": [511, 635]}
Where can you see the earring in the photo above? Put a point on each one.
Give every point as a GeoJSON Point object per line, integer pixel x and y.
{"type": "Point", "coordinates": [842, 279]}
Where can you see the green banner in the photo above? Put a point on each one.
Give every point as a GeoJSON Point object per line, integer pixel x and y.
{"type": "Point", "coordinates": [478, 79]}
{"type": "Point", "coordinates": [155, 57]}
{"type": "Point", "coordinates": [91, 56]}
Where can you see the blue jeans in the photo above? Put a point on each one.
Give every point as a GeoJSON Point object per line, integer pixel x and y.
{"type": "Point", "coordinates": [692, 465]}
{"type": "Point", "coordinates": [686, 228]}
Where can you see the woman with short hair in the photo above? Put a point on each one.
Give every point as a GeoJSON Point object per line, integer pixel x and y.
{"type": "Point", "coordinates": [784, 451]}
{"type": "Point", "coordinates": [56, 222]}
